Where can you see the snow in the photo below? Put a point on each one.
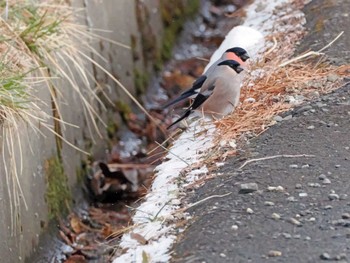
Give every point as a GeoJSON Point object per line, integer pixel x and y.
{"type": "Point", "coordinates": [162, 201]}
{"type": "Point", "coordinates": [155, 218]}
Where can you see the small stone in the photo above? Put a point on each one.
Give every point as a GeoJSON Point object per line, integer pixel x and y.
{"type": "Point", "coordinates": [222, 255]}
{"type": "Point", "coordinates": [312, 219]}
{"type": "Point", "coordinates": [275, 216]}
{"type": "Point", "coordinates": [287, 235]}
{"type": "Point", "coordinates": [302, 194]}
{"type": "Point", "coordinates": [274, 253]}
{"type": "Point", "coordinates": [320, 104]}
{"type": "Point", "coordinates": [341, 222]}
{"type": "Point", "coordinates": [279, 189]}
{"type": "Point", "coordinates": [315, 185]}
{"type": "Point", "coordinates": [345, 216]}
{"type": "Point", "coordinates": [307, 238]}
{"type": "Point", "coordinates": [332, 77]}
{"type": "Point", "coordinates": [298, 186]}
{"type": "Point", "coordinates": [304, 108]}
{"type": "Point", "coordinates": [288, 117]}
{"type": "Point", "coordinates": [326, 181]}
{"type": "Point", "coordinates": [292, 199]}
{"type": "Point", "coordinates": [322, 176]}
{"type": "Point", "coordinates": [294, 221]}
{"type": "Point", "coordinates": [248, 188]}
{"type": "Point", "coordinates": [343, 196]}
{"type": "Point", "coordinates": [250, 211]}
{"type": "Point", "coordinates": [269, 203]}
{"type": "Point", "coordinates": [297, 236]}
{"type": "Point", "coordinates": [311, 127]}
{"type": "Point", "coordinates": [340, 257]}
{"type": "Point", "coordinates": [328, 207]}
{"type": "Point", "coordinates": [234, 227]}
{"type": "Point", "coordinates": [293, 166]}
{"type": "Point", "coordinates": [278, 118]}
{"type": "Point", "coordinates": [305, 166]}
{"type": "Point", "coordinates": [275, 188]}
{"type": "Point", "coordinates": [325, 256]}
{"type": "Point", "coordinates": [337, 166]}
{"type": "Point", "coordinates": [333, 197]}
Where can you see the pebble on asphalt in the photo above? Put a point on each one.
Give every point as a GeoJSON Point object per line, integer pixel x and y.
{"type": "Point", "coordinates": [275, 188]}
{"type": "Point", "coordinates": [269, 203]}
{"type": "Point", "coordinates": [333, 197]}
{"type": "Point", "coordinates": [345, 215]}
{"type": "Point", "coordinates": [275, 216]}
{"type": "Point", "coordinates": [294, 221]}
{"type": "Point", "coordinates": [326, 181]}
{"type": "Point", "coordinates": [248, 188]}
{"type": "Point", "coordinates": [325, 256]}
{"type": "Point", "coordinates": [274, 253]}
{"type": "Point", "coordinates": [250, 211]}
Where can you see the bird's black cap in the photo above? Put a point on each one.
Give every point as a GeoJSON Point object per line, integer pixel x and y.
{"type": "Point", "coordinates": [240, 52]}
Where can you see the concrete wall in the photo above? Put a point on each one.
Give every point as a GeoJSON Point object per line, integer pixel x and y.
{"type": "Point", "coordinates": [17, 241]}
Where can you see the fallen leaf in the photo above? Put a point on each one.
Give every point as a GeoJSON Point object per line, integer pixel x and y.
{"type": "Point", "coordinates": [144, 257]}
{"type": "Point", "coordinates": [139, 238]}
{"type": "Point", "coordinates": [75, 224]}
{"type": "Point", "coordinates": [76, 259]}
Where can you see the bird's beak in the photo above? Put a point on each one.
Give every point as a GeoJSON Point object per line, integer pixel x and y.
{"type": "Point", "coordinates": [245, 57]}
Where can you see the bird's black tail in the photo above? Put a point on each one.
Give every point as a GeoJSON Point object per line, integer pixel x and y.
{"type": "Point", "coordinates": [185, 115]}
{"type": "Point", "coordinates": [183, 96]}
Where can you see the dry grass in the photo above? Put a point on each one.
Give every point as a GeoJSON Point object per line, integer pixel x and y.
{"type": "Point", "coordinates": [43, 47]}
{"type": "Point", "coordinates": [278, 75]}
{"type": "Point", "coordinates": [269, 95]}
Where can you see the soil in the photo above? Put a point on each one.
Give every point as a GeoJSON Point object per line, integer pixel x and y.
{"type": "Point", "coordinates": [307, 220]}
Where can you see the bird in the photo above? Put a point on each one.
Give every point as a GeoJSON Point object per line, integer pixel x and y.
{"type": "Point", "coordinates": [236, 53]}
{"type": "Point", "coordinates": [220, 92]}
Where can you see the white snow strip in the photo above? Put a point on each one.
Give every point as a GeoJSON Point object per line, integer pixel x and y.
{"type": "Point", "coordinates": [161, 202]}
{"type": "Point", "coordinates": [155, 218]}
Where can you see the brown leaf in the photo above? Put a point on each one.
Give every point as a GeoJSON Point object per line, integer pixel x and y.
{"type": "Point", "coordinates": [76, 259]}
{"type": "Point", "coordinates": [107, 230]}
{"type": "Point", "coordinates": [139, 238]}
{"type": "Point", "coordinates": [75, 224]}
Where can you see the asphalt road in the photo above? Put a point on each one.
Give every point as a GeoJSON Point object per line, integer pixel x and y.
{"type": "Point", "coordinates": [309, 219]}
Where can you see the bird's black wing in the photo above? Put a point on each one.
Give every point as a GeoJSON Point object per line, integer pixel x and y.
{"type": "Point", "coordinates": [198, 101]}
{"type": "Point", "coordinates": [188, 93]}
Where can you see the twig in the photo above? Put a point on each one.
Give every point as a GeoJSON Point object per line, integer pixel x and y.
{"type": "Point", "coordinates": [203, 200]}
{"type": "Point", "coordinates": [273, 47]}
{"type": "Point", "coordinates": [129, 165]}
{"type": "Point", "coordinates": [331, 43]}
{"type": "Point", "coordinates": [172, 153]}
{"type": "Point", "coordinates": [202, 59]}
{"type": "Point", "coordinates": [169, 138]}
{"type": "Point", "coordinates": [274, 157]}
{"type": "Point", "coordinates": [311, 53]}
{"type": "Point", "coordinates": [308, 54]}
{"type": "Point", "coordinates": [160, 210]}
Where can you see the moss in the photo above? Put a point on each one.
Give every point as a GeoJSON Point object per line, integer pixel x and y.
{"type": "Point", "coordinates": [141, 80]}
{"type": "Point", "coordinates": [58, 196]}
{"type": "Point", "coordinates": [112, 128]}
{"type": "Point", "coordinates": [133, 46]}
{"type": "Point", "coordinates": [174, 14]}
{"type": "Point", "coordinates": [123, 108]}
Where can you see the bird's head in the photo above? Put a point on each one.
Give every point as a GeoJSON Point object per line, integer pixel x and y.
{"type": "Point", "coordinates": [232, 64]}
{"type": "Point", "coordinates": [240, 52]}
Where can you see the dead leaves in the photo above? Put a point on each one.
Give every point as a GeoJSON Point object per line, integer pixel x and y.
{"type": "Point", "coordinates": [139, 238]}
